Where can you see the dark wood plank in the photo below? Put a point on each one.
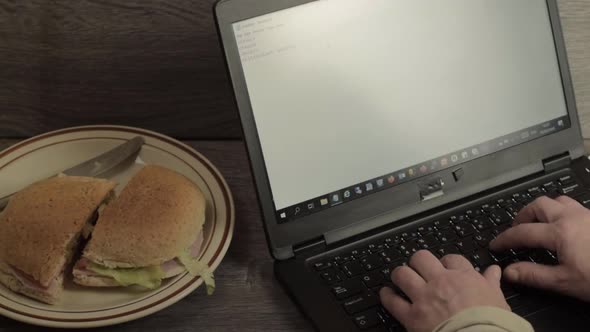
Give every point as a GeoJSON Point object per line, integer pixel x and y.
{"type": "Point", "coordinates": [154, 64]}
{"type": "Point", "coordinates": [247, 298]}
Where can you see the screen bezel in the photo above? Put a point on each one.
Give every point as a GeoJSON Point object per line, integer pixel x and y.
{"type": "Point", "coordinates": [401, 201]}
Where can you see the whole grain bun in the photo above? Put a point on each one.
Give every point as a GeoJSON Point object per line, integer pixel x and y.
{"type": "Point", "coordinates": [50, 296]}
{"type": "Point", "coordinates": [41, 226]}
{"type": "Point", "coordinates": [158, 215]}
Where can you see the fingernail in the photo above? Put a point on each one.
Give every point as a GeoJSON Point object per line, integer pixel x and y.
{"type": "Point", "coordinates": [511, 274]}
{"type": "Point", "coordinates": [497, 271]}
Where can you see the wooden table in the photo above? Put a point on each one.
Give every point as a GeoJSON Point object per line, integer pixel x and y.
{"type": "Point", "coordinates": [156, 64]}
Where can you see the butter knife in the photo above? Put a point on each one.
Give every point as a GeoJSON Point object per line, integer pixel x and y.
{"type": "Point", "coordinates": [100, 164]}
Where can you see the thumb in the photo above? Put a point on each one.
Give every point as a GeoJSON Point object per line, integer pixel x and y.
{"type": "Point", "coordinates": [537, 275]}
{"type": "Point", "coordinates": [493, 274]}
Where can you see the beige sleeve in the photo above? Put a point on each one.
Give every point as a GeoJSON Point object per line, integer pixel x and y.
{"type": "Point", "coordinates": [485, 319]}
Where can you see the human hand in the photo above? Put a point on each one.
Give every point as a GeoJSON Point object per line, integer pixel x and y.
{"type": "Point", "coordinates": [561, 225]}
{"type": "Point", "coordinates": [440, 289]}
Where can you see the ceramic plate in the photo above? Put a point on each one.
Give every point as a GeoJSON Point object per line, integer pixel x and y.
{"type": "Point", "coordinates": [45, 155]}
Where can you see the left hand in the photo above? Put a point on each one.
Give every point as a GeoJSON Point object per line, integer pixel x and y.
{"type": "Point", "coordinates": [439, 289]}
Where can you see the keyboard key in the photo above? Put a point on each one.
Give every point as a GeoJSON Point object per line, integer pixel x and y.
{"type": "Point", "coordinates": [373, 279]}
{"type": "Point", "coordinates": [473, 213]}
{"type": "Point", "coordinates": [348, 288]}
{"type": "Point", "coordinates": [553, 194]}
{"type": "Point", "coordinates": [385, 316]}
{"type": "Point", "coordinates": [463, 229]}
{"type": "Point", "coordinates": [359, 253]}
{"type": "Point", "coordinates": [446, 235]}
{"type": "Point", "coordinates": [372, 262]}
{"type": "Point", "coordinates": [535, 191]}
{"type": "Point", "coordinates": [483, 239]}
{"type": "Point", "coordinates": [331, 276]}
{"type": "Point", "coordinates": [442, 224]}
{"type": "Point", "coordinates": [488, 207]}
{"type": "Point", "coordinates": [543, 256]}
{"type": "Point", "coordinates": [503, 255]}
{"type": "Point", "coordinates": [503, 202]}
{"type": "Point", "coordinates": [391, 255]}
{"type": "Point", "coordinates": [409, 248]}
{"type": "Point", "coordinates": [498, 230]}
{"type": "Point", "coordinates": [458, 218]}
{"type": "Point", "coordinates": [427, 242]}
{"type": "Point", "coordinates": [353, 268]}
{"type": "Point", "coordinates": [343, 259]}
{"type": "Point", "coordinates": [514, 209]}
{"type": "Point", "coordinates": [409, 235]}
{"type": "Point", "coordinates": [566, 180]}
{"type": "Point", "coordinates": [367, 319]}
{"type": "Point", "coordinates": [482, 223]}
{"type": "Point", "coordinates": [386, 272]}
{"type": "Point", "coordinates": [573, 190]}
{"type": "Point", "coordinates": [447, 249]}
{"type": "Point", "coordinates": [466, 246]}
{"type": "Point", "coordinates": [360, 303]}
{"type": "Point", "coordinates": [377, 248]}
{"type": "Point", "coordinates": [426, 229]}
{"type": "Point", "coordinates": [520, 197]}
{"type": "Point", "coordinates": [393, 240]}
{"type": "Point", "coordinates": [549, 186]}
{"type": "Point", "coordinates": [524, 256]}
{"type": "Point", "coordinates": [482, 259]}
{"type": "Point", "coordinates": [500, 217]}
{"type": "Point", "coordinates": [320, 266]}
{"type": "Point", "coordinates": [584, 199]}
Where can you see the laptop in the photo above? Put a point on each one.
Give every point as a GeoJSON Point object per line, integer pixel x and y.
{"type": "Point", "coordinates": [378, 128]}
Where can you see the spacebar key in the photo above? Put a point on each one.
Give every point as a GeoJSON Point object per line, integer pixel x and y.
{"type": "Point", "coordinates": [360, 303]}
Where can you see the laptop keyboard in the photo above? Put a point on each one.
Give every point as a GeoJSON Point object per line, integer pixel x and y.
{"type": "Point", "coordinates": [355, 277]}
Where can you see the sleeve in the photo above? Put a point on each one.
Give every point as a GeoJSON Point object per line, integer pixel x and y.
{"type": "Point", "coordinates": [485, 319]}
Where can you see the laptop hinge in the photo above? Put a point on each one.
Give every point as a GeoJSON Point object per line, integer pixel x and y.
{"type": "Point", "coordinates": [556, 162]}
{"type": "Point", "coordinates": [317, 244]}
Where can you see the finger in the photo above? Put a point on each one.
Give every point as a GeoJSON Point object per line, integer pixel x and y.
{"type": "Point", "coordinates": [568, 201]}
{"type": "Point", "coordinates": [542, 209]}
{"type": "Point", "coordinates": [493, 274]}
{"type": "Point", "coordinates": [395, 304]}
{"type": "Point", "coordinates": [526, 236]}
{"type": "Point", "coordinates": [456, 262]}
{"type": "Point", "coordinates": [537, 275]}
{"type": "Point", "coordinates": [408, 281]}
{"type": "Point", "coordinates": [426, 264]}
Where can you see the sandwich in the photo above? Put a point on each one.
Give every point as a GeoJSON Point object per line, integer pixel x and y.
{"type": "Point", "coordinates": [40, 230]}
{"type": "Point", "coordinates": [151, 232]}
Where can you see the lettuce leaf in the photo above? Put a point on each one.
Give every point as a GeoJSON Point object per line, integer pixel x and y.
{"type": "Point", "coordinates": [148, 277]}
{"type": "Point", "coordinates": [198, 268]}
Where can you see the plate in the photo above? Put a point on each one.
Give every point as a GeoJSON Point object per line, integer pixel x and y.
{"type": "Point", "coordinates": [81, 307]}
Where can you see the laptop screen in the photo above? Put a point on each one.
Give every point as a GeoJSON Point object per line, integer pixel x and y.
{"type": "Point", "coordinates": [351, 97]}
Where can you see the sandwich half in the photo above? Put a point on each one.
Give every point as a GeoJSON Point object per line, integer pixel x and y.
{"type": "Point", "coordinates": [40, 230]}
{"type": "Point", "coordinates": [152, 231]}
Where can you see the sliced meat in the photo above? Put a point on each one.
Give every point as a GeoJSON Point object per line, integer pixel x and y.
{"type": "Point", "coordinates": [171, 268]}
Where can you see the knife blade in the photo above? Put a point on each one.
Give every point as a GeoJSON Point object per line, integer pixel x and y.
{"type": "Point", "coordinates": [100, 164]}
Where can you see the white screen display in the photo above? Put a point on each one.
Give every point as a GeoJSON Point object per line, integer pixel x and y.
{"type": "Point", "coordinates": [348, 90]}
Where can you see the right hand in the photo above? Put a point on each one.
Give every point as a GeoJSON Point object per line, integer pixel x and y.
{"type": "Point", "coordinates": [561, 225]}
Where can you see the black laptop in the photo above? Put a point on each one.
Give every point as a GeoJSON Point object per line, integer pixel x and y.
{"type": "Point", "coordinates": [379, 128]}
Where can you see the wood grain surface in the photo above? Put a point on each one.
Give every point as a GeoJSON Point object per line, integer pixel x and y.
{"type": "Point", "coordinates": [154, 64]}
{"type": "Point", "coordinates": [247, 297]}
